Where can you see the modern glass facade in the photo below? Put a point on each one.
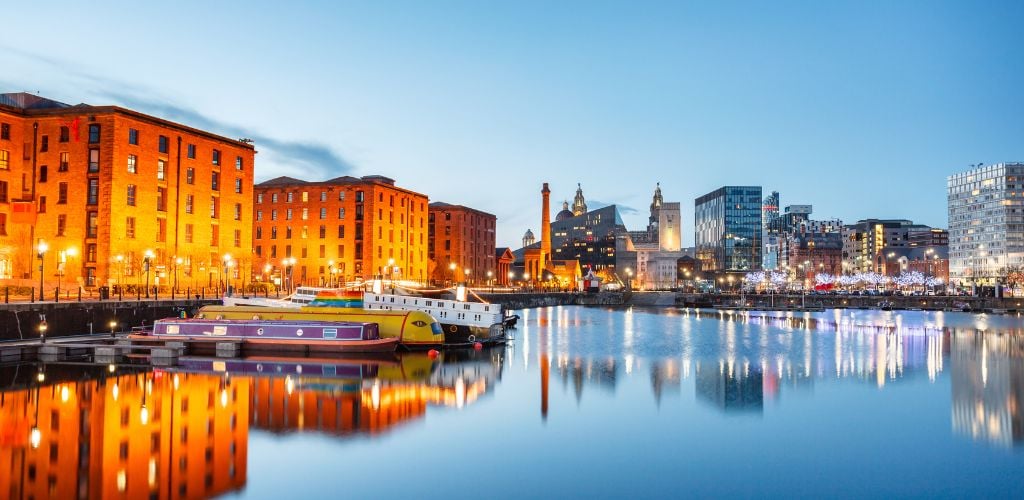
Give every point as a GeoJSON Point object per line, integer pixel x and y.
{"type": "Point", "coordinates": [770, 231]}
{"type": "Point", "coordinates": [729, 229]}
{"type": "Point", "coordinates": [986, 222]}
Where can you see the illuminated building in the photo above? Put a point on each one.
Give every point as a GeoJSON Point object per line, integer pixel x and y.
{"type": "Point", "coordinates": [770, 229]}
{"type": "Point", "coordinates": [106, 187]}
{"type": "Point", "coordinates": [339, 230]}
{"type": "Point", "coordinates": [728, 229]}
{"type": "Point", "coordinates": [144, 435]}
{"type": "Point", "coordinates": [986, 222]}
{"type": "Point", "coordinates": [538, 260]}
{"type": "Point", "coordinates": [462, 236]}
{"type": "Point", "coordinates": [659, 248]}
{"type": "Point", "coordinates": [987, 383]}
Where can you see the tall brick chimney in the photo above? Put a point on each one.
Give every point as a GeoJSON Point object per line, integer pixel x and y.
{"type": "Point", "coordinates": [545, 228]}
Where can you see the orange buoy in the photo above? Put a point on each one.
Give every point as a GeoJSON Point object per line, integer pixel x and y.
{"type": "Point", "coordinates": [432, 353]}
{"type": "Point", "coordinates": [478, 346]}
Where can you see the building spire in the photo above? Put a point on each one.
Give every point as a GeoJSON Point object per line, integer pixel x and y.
{"type": "Point", "coordinates": [579, 205]}
{"type": "Point", "coordinates": [656, 202]}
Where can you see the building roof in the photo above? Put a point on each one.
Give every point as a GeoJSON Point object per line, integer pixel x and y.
{"type": "Point", "coordinates": [285, 181]}
{"type": "Point", "coordinates": [24, 100]}
{"type": "Point", "coordinates": [440, 205]}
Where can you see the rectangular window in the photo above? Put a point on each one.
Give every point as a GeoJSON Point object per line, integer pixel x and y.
{"type": "Point", "coordinates": [359, 196]}
{"type": "Point", "coordinates": [43, 171]}
{"type": "Point", "coordinates": [259, 197]}
{"type": "Point", "coordinates": [305, 196]}
{"type": "Point", "coordinates": [341, 213]}
{"type": "Point", "coordinates": [93, 225]}
{"type": "Point", "coordinates": [3, 231]}
{"type": "Point", "coordinates": [133, 137]}
{"type": "Point", "coordinates": [190, 175]}
{"type": "Point", "coordinates": [288, 233]}
{"type": "Point", "coordinates": [93, 196]}
{"type": "Point", "coordinates": [5, 131]}
{"type": "Point", "coordinates": [189, 203]}
{"type": "Point", "coordinates": [44, 144]}
{"type": "Point", "coordinates": [238, 211]}
{"type": "Point", "coordinates": [129, 228]}
{"type": "Point", "coordinates": [62, 193]}
{"type": "Point", "coordinates": [323, 213]}
{"type": "Point", "coordinates": [94, 133]}
{"type": "Point", "coordinates": [323, 231]}
{"type": "Point", "coordinates": [288, 198]}
{"type": "Point", "coordinates": [341, 195]}
{"type": "Point", "coordinates": [215, 235]}
{"type": "Point", "coordinates": [341, 231]}
{"type": "Point", "coordinates": [161, 170]}
{"type": "Point", "coordinates": [259, 215]}
{"type": "Point", "coordinates": [133, 164]}
{"type": "Point", "coordinates": [216, 157]}
{"type": "Point", "coordinates": [273, 197]}
{"type": "Point", "coordinates": [238, 163]}
{"type": "Point", "coordinates": [238, 185]}
{"type": "Point", "coordinates": [64, 160]}
{"type": "Point", "coordinates": [62, 224]}
{"type": "Point", "coordinates": [188, 233]}
{"type": "Point", "coordinates": [42, 204]}
{"type": "Point", "coordinates": [161, 199]}
{"type": "Point", "coordinates": [273, 232]}
{"type": "Point", "coordinates": [161, 230]}
{"type": "Point", "coordinates": [3, 191]}
{"type": "Point", "coordinates": [191, 151]}
{"type": "Point", "coordinates": [273, 214]}
{"type": "Point", "coordinates": [305, 213]}
{"type": "Point", "coordinates": [259, 233]}
{"type": "Point", "coordinates": [213, 206]}
{"type": "Point", "coordinates": [215, 181]}
{"type": "Point", "coordinates": [238, 238]}
{"type": "Point", "coordinates": [94, 160]}
{"type": "Point", "coordinates": [131, 195]}
{"type": "Point", "coordinates": [163, 144]}
{"type": "Point", "coordinates": [323, 195]}
{"type": "Point", "coordinates": [288, 214]}
{"type": "Point", "coordinates": [90, 256]}
{"type": "Point", "coordinates": [65, 134]}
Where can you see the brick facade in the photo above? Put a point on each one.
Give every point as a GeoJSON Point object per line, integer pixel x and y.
{"type": "Point", "coordinates": [465, 237]}
{"type": "Point", "coordinates": [107, 184]}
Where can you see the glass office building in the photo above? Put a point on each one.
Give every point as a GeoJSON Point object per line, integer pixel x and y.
{"type": "Point", "coordinates": [986, 223]}
{"type": "Point", "coordinates": [729, 229]}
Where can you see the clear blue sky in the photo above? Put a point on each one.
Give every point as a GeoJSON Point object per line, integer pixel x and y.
{"type": "Point", "coordinates": [859, 108]}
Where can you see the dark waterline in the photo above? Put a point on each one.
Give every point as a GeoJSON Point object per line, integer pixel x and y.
{"type": "Point", "coordinates": [585, 402]}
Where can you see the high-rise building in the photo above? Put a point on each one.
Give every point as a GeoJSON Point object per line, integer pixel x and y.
{"type": "Point", "coordinates": [117, 197]}
{"type": "Point", "coordinates": [728, 229]}
{"type": "Point", "coordinates": [462, 236]}
{"type": "Point", "coordinates": [338, 230]}
{"type": "Point", "coordinates": [659, 248]}
{"type": "Point", "coordinates": [770, 231]}
{"type": "Point", "coordinates": [986, 222]}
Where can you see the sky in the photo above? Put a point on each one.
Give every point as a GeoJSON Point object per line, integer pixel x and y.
{"type": "Point", "coordinates": [859, 108]}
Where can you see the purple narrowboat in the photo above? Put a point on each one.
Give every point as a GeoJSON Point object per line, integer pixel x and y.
{"type": "Point", "coordinates": [278, 335]}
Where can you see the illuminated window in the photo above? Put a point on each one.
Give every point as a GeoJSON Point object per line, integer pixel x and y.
{"type": "Point", "coordinates": [189, 203]}
{"type": "Point", "coordinates": [238, 185]}
{"type": "Point", "coordinates": [129, 225]}
{"type": "Point", "coordinates": [93, 195]}
{"type": "Point", "coordinates": [5, 160]}
{"type": "Point", "coordinates": [161, 170]}
{"type": "Point", "coordinates": [133, 164]}
{"type": "Point", "coordinates": [64, 160]}
{"type": "Point", "coordinates": [238, 211]}
{"type": "Point", "coordinates": [94, 160]}
{"type": "Point", "coordinates": [188, 233]}
{"type": "Point", "coordinates": [131, 195]}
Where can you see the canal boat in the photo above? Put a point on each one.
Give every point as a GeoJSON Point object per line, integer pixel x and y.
{"type": "Point", "coordinates": [279, 335]}
{"type": "Point", "coordinates": [413, 329]}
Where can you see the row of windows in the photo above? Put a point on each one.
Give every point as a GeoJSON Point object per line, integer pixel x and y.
{"type": "Point", "coordinates": [163, 146]}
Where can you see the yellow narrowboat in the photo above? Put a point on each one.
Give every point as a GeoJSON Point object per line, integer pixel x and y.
{"type": "Point", "coordinates": [413, 329]}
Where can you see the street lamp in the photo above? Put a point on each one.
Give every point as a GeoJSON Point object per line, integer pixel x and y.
{"type": "Point", "coordinates": [227, 264]}
{"type": "Point", "coordinates": [489, 274]}
{"type": "Point", "coordinates": [42, 331]}
{"type": "Point", "coordinates": [120, 271]}
{"type": "Point", "coordinates": [147, 264]}
{"type": "Point", "coordinates": [466, 272]}
{"type": "Point", "coordinates": [391, 274]}
{"type": "Point", "coordinates": [177, 264]}
{"type": "Point", "coordinates": [451, 267]}
{"type": "Point", "coordinates": [41, 251]}
{"type": "Point", "coordinates": [289, 263]}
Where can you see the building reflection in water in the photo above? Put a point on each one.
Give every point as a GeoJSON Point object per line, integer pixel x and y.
{"type": "Point", "coordinates": [74, 432]}
{"type": "Point", "coordinates": [730, 389]}
{"type": "Point", "coordinates": [988, 387]}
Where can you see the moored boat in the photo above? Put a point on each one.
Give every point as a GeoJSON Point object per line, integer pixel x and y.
{"type": "Point", "coordinates": [463, 322]}
{"type": "Point", "coordinates": [413, 329]}
{"type": "Point", "coordinates": [279, 335]}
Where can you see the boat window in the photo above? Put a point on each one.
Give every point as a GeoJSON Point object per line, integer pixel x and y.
{"type": "Point", "coordinates": [330, 371]}
{"type": "Point", "coordinates": [428, 303]}
{"type": "Point", "coordinates": [487, 308]}
{"type": "Point", "coordinates": [466, 307]}
{"type": "Point", "coordinates": [330, 333]}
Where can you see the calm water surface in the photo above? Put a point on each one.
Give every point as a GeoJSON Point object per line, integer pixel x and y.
{"type": "Point", "coordinates": [586, 402]}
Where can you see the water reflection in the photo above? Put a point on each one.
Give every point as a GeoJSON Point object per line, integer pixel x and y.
{"type": "Point", "coordinates": [988, 387]}
{"type": "Point", "coordinates": [90, 431]}
{"type": "Point", "coordinates": [86, 432]}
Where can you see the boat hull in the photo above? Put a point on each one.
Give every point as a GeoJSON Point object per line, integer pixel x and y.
{"type": "Point", "coordinates": [278, 336]}
{"type": "Point", "coordinates": [413, 329]}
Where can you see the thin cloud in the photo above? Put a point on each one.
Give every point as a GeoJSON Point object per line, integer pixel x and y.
{"type": "Point", "coordinates": [303, 159]}
{"type": "Point", "coordinates": [623, 209]}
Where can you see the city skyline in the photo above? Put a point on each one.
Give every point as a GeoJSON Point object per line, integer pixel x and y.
{"type": "Point", "coordinates": [444, 96]}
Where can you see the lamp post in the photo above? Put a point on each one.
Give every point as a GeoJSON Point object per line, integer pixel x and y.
{"type": "Point", "coordinates": [227, 264]}
{"type": "Point", "coordinates": [391, 274]}
{"type": "Point", "coordinates": [41, 252]}
{"type": "Point", "coordinates": [330, 274]}
{"type": "Point", "coordinates": [177, 264]}
{"type": "Point", "coordinates": [120, 270]}
{"type": "Point", "coordinates": [451, 267]}
{"type": "Point", "coordinates": [42, 331]}
{"type": "Point", "coordinates": [147, 264]}
{"type": "Point", "coordinates": [289, 263]}
{"type": "Point", "coordinates": [113, 327]}
{"type": "Point", "coordinates": [489, 275]}
{"type": "Point", "coordinates": [466, 272]}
